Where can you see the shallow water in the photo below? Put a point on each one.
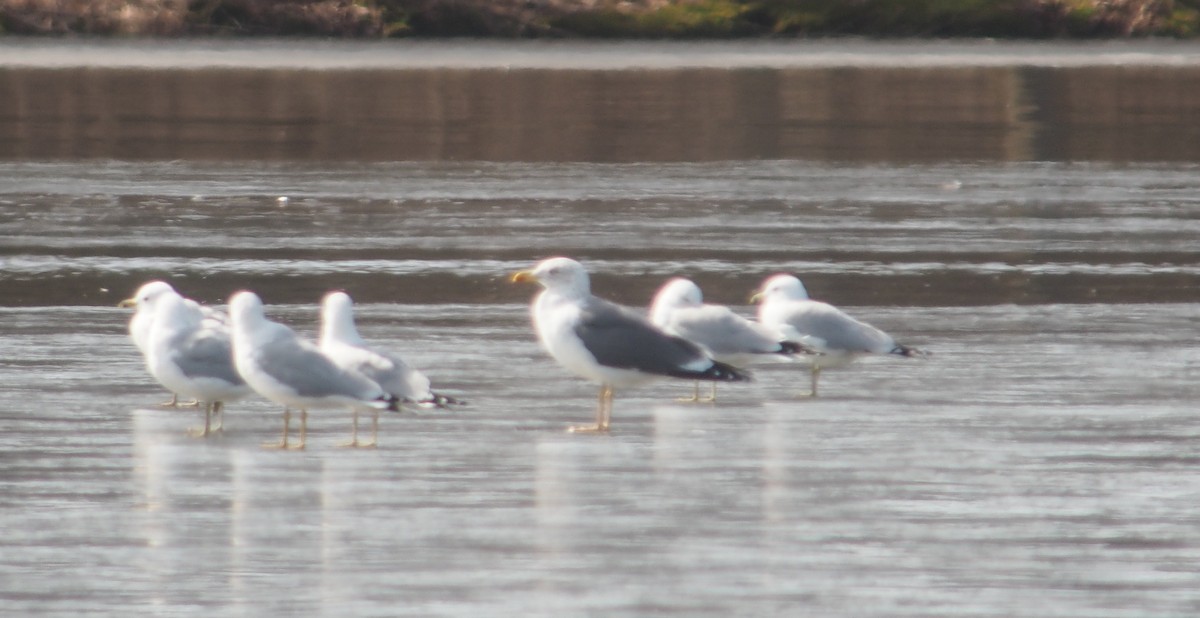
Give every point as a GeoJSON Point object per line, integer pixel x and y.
{"type": "Point", "coordinates": [1041, 462]}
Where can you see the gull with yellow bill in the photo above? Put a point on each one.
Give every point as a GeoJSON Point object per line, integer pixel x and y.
{"type": "Point", "coordinates": [607, 343]}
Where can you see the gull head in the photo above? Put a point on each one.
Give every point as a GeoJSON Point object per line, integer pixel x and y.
{"type": "Point", "coordinates": [146, 295]}
{"type": "Point", "coordinates": [558, 274]}
{"type": "Point", "coordinates": [172, 311]}
{"type": "Point", "coordinates": [782, 287]}
{"type": "Point", "coordinates": [245, 306]}
{"type": "Point", "coordinates": [682, 292]}
{"type": "Point", "coordinates": [677, 293]}
{"type": "Point", "coordinates": [337, 318]}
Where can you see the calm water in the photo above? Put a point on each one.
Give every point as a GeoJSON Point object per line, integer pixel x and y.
{"type": "Point", "coordinates": [1042, 462]}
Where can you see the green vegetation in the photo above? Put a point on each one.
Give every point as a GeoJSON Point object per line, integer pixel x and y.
{"type": "Point", "coordinates": [607, 18]}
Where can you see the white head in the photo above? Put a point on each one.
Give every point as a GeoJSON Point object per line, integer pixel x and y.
{"type": "Point", "coordinates": [560, 275]}
{"type": "Point", "coordinates": [674, 294]}
{"type": "Point", "coordinates": [781, 287]}
{"type": "Point", "coordinates": [145, 296]}
{"type": "Point", "coordinates": [171, 312]}
{"type": "Point", "coordinates": [245, 307]}
{"type": "Point", "coordinates": [337, 318]}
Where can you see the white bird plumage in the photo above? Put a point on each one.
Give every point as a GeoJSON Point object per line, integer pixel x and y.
{"type": "Point", "coordinates": [341, 342]}
{"type": "Point", "coordinates": [605, 342]}
{"type": "Point", "coordinates": [679, 309]}
{"type": "Point", "coordinates": [294, 373]}
{"type": "Point", "coordinates": [192, 356]}
{"type": "Point", "coordinates": [836, 337]}
{"type": "Point", "coordinates": [142, 321]}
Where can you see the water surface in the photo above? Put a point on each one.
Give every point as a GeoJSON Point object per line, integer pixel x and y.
{"type": "Point", "coordinates": [1042, 462]}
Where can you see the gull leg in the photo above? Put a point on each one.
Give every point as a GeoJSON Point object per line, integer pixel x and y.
{"type": "Point", "coordinates": [607, 408]}
{"type": "Point", "coordinates": [816, 373]}
{"type": "Point", "coordinates": [282, 444]}
{"type": "Point", "coordinates": [603, 413]}
{"type": "Point", "coordinates": [712, 396]}
{"type": "Point", "coordinates": [695, 394]}
{"type": "Point", "coordinates": [303, 430]}
{"type": "Point", "coordinates": [374, 430]}
{"type": "Point", "coordinates": [354, 443]}
{"type": "Point", "coordinates": [203, 433]}
{"type": "Point", "coordinates": [219, 415]}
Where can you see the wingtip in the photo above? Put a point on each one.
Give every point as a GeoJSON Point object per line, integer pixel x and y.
{"type": "Point", "coordinates": [911, 352]}
{"type": "Point", "coordinates": [441, 401]}
{"type": "Point", "coordinates": [724, 372]}
{"type": "Point", "coordinates": [792, 348]}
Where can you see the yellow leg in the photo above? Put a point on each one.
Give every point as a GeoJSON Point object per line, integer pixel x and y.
{"type": "Point", "coordinates": [695, 394]}
{"type": "Point", "coordinates": [816, 373]}
{"type": "Point", "coordinates": [203, 433]}
{"type": "Point", "coordinates": [283, 444]}
{"type": "Point", "coordinates": [603, 414]}
{"type": "Point", "coordinates": [607, 408]}
{"type": "Point", "coordinates": [354, 443]}
{"type": "Point", "coordinates": [712, 395]}
{"type": "Point", "coordinates": [374, 429]}
{"type": "Point", "coordinates": [219, 415]}
{"type": "Point", "coordinates": [303, 430]}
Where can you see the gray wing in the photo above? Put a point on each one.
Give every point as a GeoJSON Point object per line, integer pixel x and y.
{"type": "Point", "coordinates": [833, 330]}
{"type": "Point", "coordinates": [304, 369]}
{"type": "Point", "coordinates": [396, 376]}
{"type": "Point", "coordinates": [206, 354]}
{"type": "Point", "coordinates": [722, 331]}
{"type": "Point", "coordinates": [620, 338]}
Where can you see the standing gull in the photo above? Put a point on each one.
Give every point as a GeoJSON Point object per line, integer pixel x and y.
{"type": "Point", "coordinates": [294, 373]}
{"type": "Point", "coordinates": [140, 324]}
{"type": "Point", "coordinates": [607, 343]}
{"type": "Point", "coordinates": [193, 356]}
{"type": "Point", "coordinates": [821, 327]}
{"type": "Point", "coordinates": [679, 310]}
{"type": "Point", "coordinates": [341, 342]}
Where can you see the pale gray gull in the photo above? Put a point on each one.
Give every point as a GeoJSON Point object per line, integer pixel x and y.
{"type": "Point", "coordinates": [341, 342]}
{"type": "Point", "coordinates": [294, 373]}
{"type": "Point", "coordinates": [836, 337]}
{"type": "Point", "coordinates": [607, 343]}
{"type": "Point", "coordinates": [193, 356]}
{"type": "Point", "coordinates": [143, 319]}
{"type": "Point", "coordinates": [679, 309]}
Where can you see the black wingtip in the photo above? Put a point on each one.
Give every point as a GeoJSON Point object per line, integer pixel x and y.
{"type": "Point", "coordinates": [393, 403]}
{"type": "Point", "coordinates": [441, 401]}
{"type": "Point", "coordinates": [723, 372]}
{"type": "Point", "coordinates": [791, 348]}
{"type": "Point", "coordinates": [910, 352]}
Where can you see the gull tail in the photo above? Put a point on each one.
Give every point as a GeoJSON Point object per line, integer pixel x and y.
{"type": "Point", "coordinates": [910, 352]}
{"type": "Point", "coordinates": [439, 400]}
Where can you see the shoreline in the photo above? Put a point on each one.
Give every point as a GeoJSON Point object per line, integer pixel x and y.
{"type": "Point", "coordinates": [408, 54]}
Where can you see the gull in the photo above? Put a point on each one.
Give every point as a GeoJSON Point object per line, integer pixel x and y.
{"type": "Point", "coordinates": [679, 309]}
{"type": "Point", "coordinates": [341, 342]}
{"type": "Point", "coordinates": [143, 319]}
{"type": "Point", "coordinates": [193, 356]}
{"type": "Point", "coordinates": [294, 373]}
{"type": "Point", "coordinates": [607, 343]}
{"type": "Point", "coordinates": [836, 337]}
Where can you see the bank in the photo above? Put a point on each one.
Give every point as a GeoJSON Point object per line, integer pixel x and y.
{"type": "Point", "coordinates": [684, 19]}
